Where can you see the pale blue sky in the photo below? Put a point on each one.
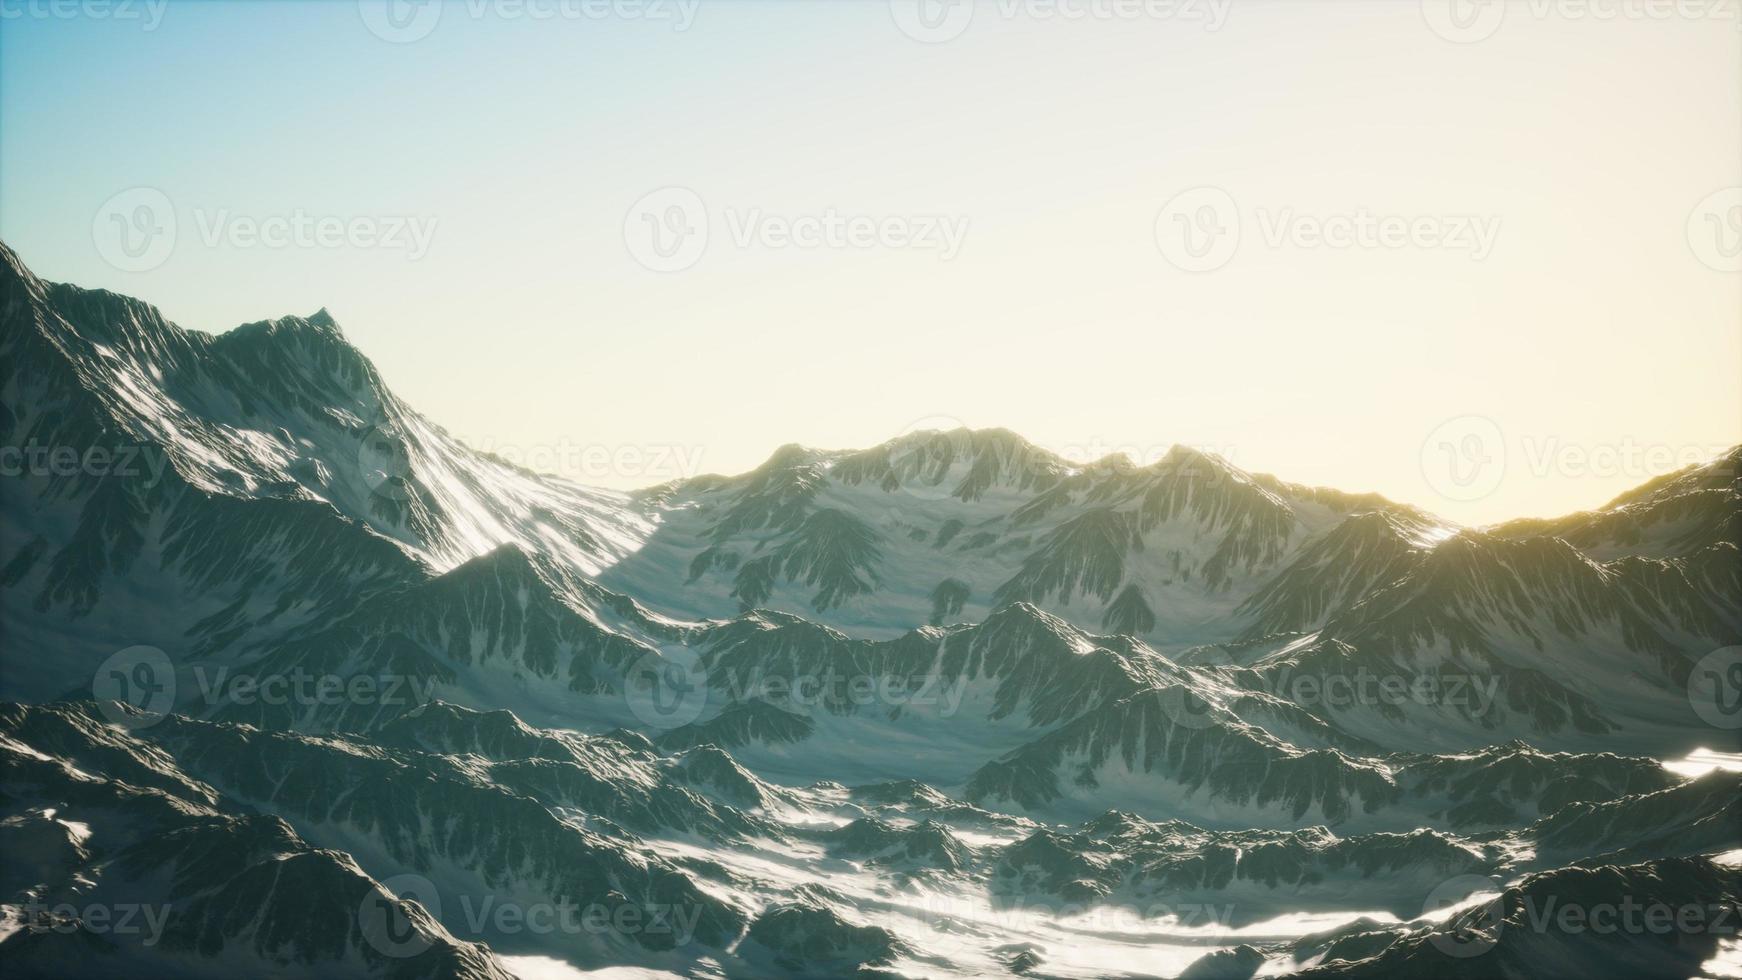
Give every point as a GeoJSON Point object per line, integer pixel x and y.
{"type": "Point", "coordinates": [1589, 324]}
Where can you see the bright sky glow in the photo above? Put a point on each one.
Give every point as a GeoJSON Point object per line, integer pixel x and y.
{"type": "Point", "coordinates": [1528, 226]}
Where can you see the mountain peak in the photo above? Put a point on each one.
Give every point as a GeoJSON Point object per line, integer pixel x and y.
{"type": "Point", "coordinates": [1182, 457]}
{"type": "Point", "coordinates": [316, 348]}
{"type": "Point", "coordinates": [318, 325]}
{"type": "Point", "coordinates": [963, 462]}
{"type": "Point", "coordinates": [13, 265]}
{"type": "Point", "coordinates": [324, 320]}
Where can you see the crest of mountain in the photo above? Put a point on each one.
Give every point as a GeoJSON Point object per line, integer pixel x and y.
{"type": "Point", "coordinates": [1692, 817]}
{"type": "Point", "coordinates": [1671, 516]}
{"type": "Point", "coordinates": [282, 409]}
{"type": "Point", "coordinates": [1122, 858]}
{"type": "Point", "coordinates": [907, 800]}
{"type": "Point", "coordinates": [219, 892]}
{"type": "Point", "coordinates": [1510, 936]}
{"type": "Point", "coordinates": [935, 526]}
{"type": "Point", "coordinates": [1512, 613]}
{"type": "Point", "coordinates": [926, 845]}
{"type": "Point", "coordinates": [1362, 553]}
{"type": "Point", "coordinates": [814, 940]}
{"type": "Point", "coordinates": [1511, 785]}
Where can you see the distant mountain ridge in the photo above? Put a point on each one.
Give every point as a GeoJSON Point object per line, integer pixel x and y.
{"type": "Point", "coordinates": [1187, 550]}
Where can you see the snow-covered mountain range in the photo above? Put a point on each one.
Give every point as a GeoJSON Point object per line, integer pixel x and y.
{"type": "Point", "coordinates": [328, 692]}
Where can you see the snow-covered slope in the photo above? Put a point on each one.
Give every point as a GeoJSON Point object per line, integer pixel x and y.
{"type": "Point", "coordinates": [256, 852]}
{"type": "Point", "coordinates": [941, 527]}
{"type": "Point", "coordinates": [951, 705]}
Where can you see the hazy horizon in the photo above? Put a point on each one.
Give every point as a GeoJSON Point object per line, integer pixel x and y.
{"type": "Point", "coordinates": [1473, 266]}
